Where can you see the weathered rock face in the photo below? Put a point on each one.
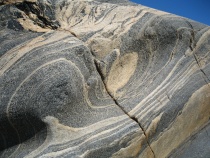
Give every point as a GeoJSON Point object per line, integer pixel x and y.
{"type": "Point", "coordinates": [102, 79]}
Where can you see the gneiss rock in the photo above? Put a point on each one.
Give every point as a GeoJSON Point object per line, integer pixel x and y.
{"type": "Point", "coordinates": [102, 79]}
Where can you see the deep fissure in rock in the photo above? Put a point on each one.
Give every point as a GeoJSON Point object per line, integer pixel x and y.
{"type": "Point", "coordinates": [116, 102]}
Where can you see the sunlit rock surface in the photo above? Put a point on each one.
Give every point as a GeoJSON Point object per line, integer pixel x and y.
{"type": "Point", "coordinates": [99, 79]}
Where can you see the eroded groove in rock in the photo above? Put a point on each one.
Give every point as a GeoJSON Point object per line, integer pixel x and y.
{"type": "Point", "coordinates": [154, 73]}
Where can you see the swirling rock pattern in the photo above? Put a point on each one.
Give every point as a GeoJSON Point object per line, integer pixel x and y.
{"type": "Point", "coordinates": [102, 79]}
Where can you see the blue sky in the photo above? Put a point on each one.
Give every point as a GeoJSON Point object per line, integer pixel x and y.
{"type": "Point", "coordinates": [198, 10]}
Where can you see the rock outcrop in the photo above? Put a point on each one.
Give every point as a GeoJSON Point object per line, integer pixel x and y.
{"type": "Point", "coordinates": [99, 79]}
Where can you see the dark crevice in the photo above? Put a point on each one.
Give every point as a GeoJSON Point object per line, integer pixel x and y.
{"type": "Point", "coordinates": [192, 40]}
{"type": "Point", "coordinates": [192, 46]}
{"type": "Point", "coordinates": [69, 31]}
{"type": "Point", "coordinates": [136, 120]}
{"type": "Point", "coordinates": [116, 102]}
{"type": "Point", "coordinates": [207, 80]}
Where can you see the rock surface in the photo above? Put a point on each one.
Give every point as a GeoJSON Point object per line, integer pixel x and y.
{"type": "Point", "coordinates": [102, 79]}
